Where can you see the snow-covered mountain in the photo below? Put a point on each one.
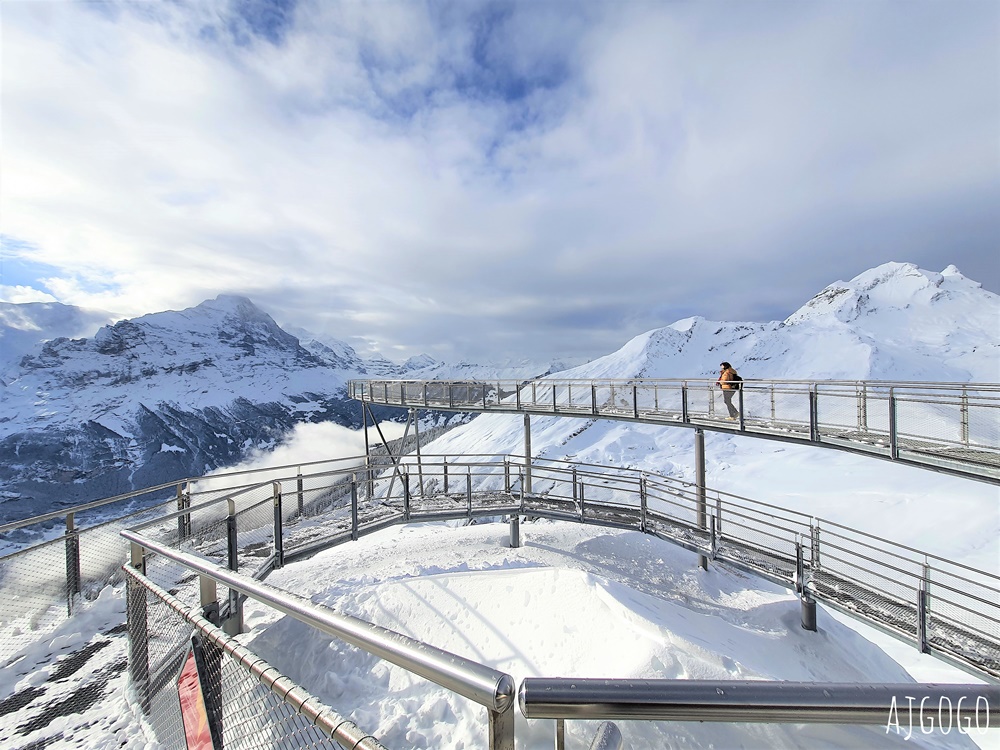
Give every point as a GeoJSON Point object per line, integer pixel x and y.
{"type": "Point", "coordinates": [179, 393]}
{"type": "Point", "coordinates": [892, 322]}
{"type": "Point", "coordinates": [168, 395]}
{"type": "Point", "coordinates": [23, 327]}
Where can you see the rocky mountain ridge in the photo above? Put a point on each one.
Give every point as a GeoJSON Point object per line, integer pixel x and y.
{"type": "Point", "coordinates": [180, 393]}
{"type": "Point", "coordinates": [168, 395]}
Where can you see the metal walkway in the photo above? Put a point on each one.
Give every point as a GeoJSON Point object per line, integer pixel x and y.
{"type": "Point", "coordinates": [232, 529]}
{"type": "Point", "coordinates": [948, 427]}
{"type": "Point", "coordinates": [943, 608]}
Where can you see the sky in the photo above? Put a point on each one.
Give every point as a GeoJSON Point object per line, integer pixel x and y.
{"type": "Point", "coordinates": [487, 180]}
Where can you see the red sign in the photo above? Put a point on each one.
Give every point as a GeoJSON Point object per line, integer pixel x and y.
{"type": "Point", "coordinates": [193, 712]}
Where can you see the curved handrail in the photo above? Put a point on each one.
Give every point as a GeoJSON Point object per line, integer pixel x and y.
{"type": "Point", "coordinates": [952, 428]}
{"type": "Point", "coordinates": [479, 683]}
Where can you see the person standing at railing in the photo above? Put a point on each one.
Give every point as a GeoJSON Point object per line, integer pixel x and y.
{"type": "Point", "coordinates": [729, 382]}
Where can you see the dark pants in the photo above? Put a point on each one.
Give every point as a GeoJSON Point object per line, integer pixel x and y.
{"type": "Point", "coordinates": [727, 396]}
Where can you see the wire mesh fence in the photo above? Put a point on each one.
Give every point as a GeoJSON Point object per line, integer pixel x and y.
{"type": "Point", "coordinates": [188, 675]}
{"type": "Point", "coordinates": [949, 427]}
{"type": "Point", "coordinates": [943, 607]}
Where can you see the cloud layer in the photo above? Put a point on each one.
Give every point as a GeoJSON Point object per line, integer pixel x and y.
{"type": "Point", "coordinates": [494, 179]}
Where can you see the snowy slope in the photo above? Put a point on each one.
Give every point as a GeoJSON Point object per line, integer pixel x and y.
{"type": "Point", "coordinates": [170, 395]}
{"type": "Point", "coordinates": [895, 320]}
{"type": "Point", "coordinates": [553, 606]}
{"type": "Point", "coordinates": [572, 601]}
{"type": "Point", "coordinates": [23, 327]}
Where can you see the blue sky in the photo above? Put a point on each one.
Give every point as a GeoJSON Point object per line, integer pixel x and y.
{"type": "Point", "coordinates": [490, 180]}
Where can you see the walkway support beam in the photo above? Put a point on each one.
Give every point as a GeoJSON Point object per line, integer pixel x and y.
{"type": "Point", "coordinates": [527, 454]}
{"type": "Point", "coordinates": [699, 472]}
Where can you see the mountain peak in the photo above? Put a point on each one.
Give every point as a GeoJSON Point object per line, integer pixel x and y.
{"type": "Point", "coordinates": [232, 303]}
{"type": "Point", "coordinates": [889, 287]}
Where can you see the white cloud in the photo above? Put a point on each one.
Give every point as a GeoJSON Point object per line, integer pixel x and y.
{"type": "Point", "coordinates": [430, 173]}
{"type": "Point", "coordinates": [21, 294]}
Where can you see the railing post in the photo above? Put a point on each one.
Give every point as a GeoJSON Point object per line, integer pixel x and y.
{"type": "Point", "coordinates": [73, 575]}
{"type": "Point", "coordinates": [354, 507]}
{"type": "Point", "coordinates": [445, 467]}
{"type": "Point", "coordinates": [965, 417]}
{"type": "Point", "coordinates": [922, 601]}
{"type": "Point", "coordinates": [893, 438]}
{"type": "Point", "coordinates": [234, 617]}
{"type": "Point", "coordinates": [642, 504]}
{"type": "Point", "coordinates": [208, 591]}
{"type": "Point", "coordinates": [506, 474]}
{"type": "Point", "coordinates": [527, 452]}
{"type": "Point", "coordinates": [773, 406]}
{"type": "Point", "coordinates": [279, 545]}
{"type": "Point", "coordinates": [799, 566]}
{"type": "Point", "coordinates": [138, 633]}
{"type": "Point", "coordinates": [468, 490]}
{"type": "Point", "coordinates": [406, 496]}
{"type": "Point", "coordinates": [560, 734]}
{"type": "Point", "coordinates": [863, 407]}
{"type": "Point", "coordinates": [635, 401]}
{"type": "Point", "coordinates": [699, 469]}
{"type": "Point", "coordinates": [211, 653]}
{"type": "Point", "coordinates": [713, 540]}
{"type": "Point", "coordinates": [813, 414]}
{"type": "Point", "coordinates": [576, 492]}
{"type": "Point", "coordinates": [501, 729]}
{"type": "Point", "coordinates": [582, 514]}
{"type": "Point", "coordinates": [743, 419]}
{"type": "Point", "coordinates": [299, 494]}
{"type": "Point", "coordinates": [183, 522]}
{"type": "Point", "coordinates": [814, 563]}
{"type": "Point", "coordinates": [593, 399]}
{"type": "Point", "coordinates": [685, 415]}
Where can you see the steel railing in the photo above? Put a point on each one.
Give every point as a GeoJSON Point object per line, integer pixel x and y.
{"type": "Point", "coordinates": [304, 721]}
{"type": "Point", "coordinates": [944, 608]}
{"type": "Point", "coordinates": [752, 701]}
{"type": "Point", "coordinates": [948, 427]}
{"type": "Point", "coordinates": [871, 578]}
{"type": "Point", "coordinates": [479, 683]}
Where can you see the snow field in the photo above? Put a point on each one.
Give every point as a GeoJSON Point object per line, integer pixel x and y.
{"type": "Point", "coordinates": [573, 601]}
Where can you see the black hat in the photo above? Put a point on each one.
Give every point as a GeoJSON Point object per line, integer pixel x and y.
{"type": "Point", "coordinates": [726, 365]}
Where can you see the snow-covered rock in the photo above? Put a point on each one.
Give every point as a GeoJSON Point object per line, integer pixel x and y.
{"type": "Point", "coordinates": [169, 395]}
{"type": "Point", "coordinates": [893, 322]}
{"type": "Point", "coordinates": [23, 327]}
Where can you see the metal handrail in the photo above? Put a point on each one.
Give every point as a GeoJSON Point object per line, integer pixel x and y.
{"type": "Point", "coordinates": [13, 525]}
{"type": "Point", "coordinates": [323, 717]}
{"type": "Point", "coordinates": [746, 700]}
{"type": "Point", "coordinates": [549, 379]}
{"type": "Point", "coordinates": [888, 420]}
{"type": "Point", "coordinates": [479, 683]}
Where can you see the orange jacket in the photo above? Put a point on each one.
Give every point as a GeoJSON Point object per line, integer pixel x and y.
{"type": "Point", "coordinates": [727, 375]}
